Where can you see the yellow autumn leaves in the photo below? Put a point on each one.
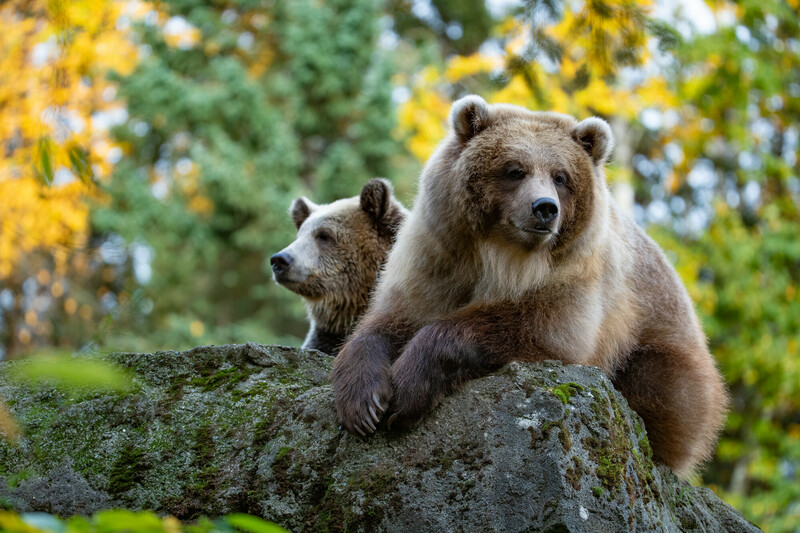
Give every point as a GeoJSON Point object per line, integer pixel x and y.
{"type": "Point", "coordinates": [54, 102]}
{"type": "Point", "coordinates": [576, 84]}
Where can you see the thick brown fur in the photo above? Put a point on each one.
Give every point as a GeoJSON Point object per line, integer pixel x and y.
{"type": "Point", "coordinates": [334, 262]}
{"type": "Point", "coordinates": [477, 279]}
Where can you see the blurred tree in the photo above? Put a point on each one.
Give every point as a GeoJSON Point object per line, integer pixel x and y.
{"type": "Point", "coordinates": [53, 56]}
{"type": "Point", "coordinates": [544, 57]}
{"type": "Point", "coordinates": [456, 26]}
{"type": "Point", "coordinates": [235, 110]}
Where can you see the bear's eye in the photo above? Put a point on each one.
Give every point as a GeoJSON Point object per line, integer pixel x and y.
{"type": "Point", "coordinates": [515, 173]}
{"type": "Point", "coordinates": [560, 178]}
{"type": "Point", "coordinates": [324, 236]}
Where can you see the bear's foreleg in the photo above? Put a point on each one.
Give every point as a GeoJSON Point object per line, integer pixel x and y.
{"type": "Point", "coordinates": [443, 355]}
{"type": "Point", "coordinates": [361, 375]}
{"type": "Point", "coordinates": [682, 399]}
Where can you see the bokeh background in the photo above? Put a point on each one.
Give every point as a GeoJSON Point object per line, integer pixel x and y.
{"type": "Point", "coordinates": [149, 152]}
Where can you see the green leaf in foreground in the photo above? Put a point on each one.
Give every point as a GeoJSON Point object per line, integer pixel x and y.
{"type": "Point", "coordinates": [65, 371]}
{"type": "Point", "coordinates": [122, 521]}
{"type": "Point", "coordinates": [253, 524]}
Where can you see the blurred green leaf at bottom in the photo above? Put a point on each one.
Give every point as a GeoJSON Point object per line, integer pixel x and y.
{"type": "Point", "coordinates": [64, 371]}
{"type": "Point", "coordinates": [118, 521]}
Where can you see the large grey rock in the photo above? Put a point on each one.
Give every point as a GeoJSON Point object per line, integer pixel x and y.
{"type": "Point", "coordinates": [252, 428]}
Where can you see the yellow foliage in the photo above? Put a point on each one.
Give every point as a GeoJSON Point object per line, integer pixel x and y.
{"type": "Point", "coordinates": [54, 56]}
{"type": "Point", "coordinates": [196, 328]}
{"type": "Point", "coordinates": [422, 119]}
{"type": "Point", "coordinates": [57, 289]}
{"type": "Point", "coordinates": [460, 67]}
{"type": "Point", "coordinates": [34, 216]}
{"type": "Point", "coordinates": [202, 205]}
{"type": "Point", "coordinates": [517, 92]}
{"type": "Point", "coordinates": [601, 98]}
{"type": "Point", "coordinates": [186, 38]}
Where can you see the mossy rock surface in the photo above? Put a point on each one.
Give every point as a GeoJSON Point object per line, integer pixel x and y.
{"type": "Point", "coordinates": [251, 428]}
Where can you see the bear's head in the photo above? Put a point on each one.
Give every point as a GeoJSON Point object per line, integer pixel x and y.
{"type": "Point", "coordinates": [530, 179]}
{"type": "Point", "coordinates": [339, 246]}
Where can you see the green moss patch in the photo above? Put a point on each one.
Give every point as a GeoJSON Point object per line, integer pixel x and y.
{"type": "Point", "coordinates": [128, 470]}
{"type": "Point", "coordinates": [335, 511]}
{"type": "Point", "coordinates": [226, 379]}
{"type": "Point", "coordinates": [565, 391]}
{"type": "Point", "coordinates": [202, 474]}
{"type": "Point", "coordinates": [610, 454]}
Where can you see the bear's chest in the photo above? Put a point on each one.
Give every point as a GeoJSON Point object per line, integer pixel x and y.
{"type": "Point", "coordinates": [505, 273]}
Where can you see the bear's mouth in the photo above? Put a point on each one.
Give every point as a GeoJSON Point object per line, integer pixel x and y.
{"type": "Point", "coordinates": [288, 281]}
{"type": "Point", "coordinates": [537, 231]}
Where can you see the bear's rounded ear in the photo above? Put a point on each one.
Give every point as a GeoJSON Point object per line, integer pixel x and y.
{"type": "Point", "coordinates": [469, 116]}
{"type": "Point", "coordinates": [300, 209]}
{"type": "Point", "coordinates": [594, 135]}
{"type": "Point", "coordinates": [376, 198]}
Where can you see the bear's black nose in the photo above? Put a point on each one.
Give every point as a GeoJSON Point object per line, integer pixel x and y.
{"type": "Point", "coordinates": [545, 210]}
{"type": "Point", "coordinates": [281, 263]}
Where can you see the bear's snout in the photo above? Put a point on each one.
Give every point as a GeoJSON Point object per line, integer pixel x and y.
{"type": "Point", "coordinates": [545, 210]}
{"type": "Point", "coordinates": [281, 263]}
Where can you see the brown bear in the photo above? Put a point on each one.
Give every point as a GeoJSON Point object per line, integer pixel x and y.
{"type": "Point", "coordinates": [515, 250]}
{"type": "Point", "coordinates": [333, 263]}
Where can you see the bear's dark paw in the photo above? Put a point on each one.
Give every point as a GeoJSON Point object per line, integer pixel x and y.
{"type": "Point", "coordinates": [403, 419]}
{"type": "Point", "coordinates": [415, 394]}
{"type": "Point", "coordinates": [361, 404]}
{"type": "Point", "coordinates": [362, 383]}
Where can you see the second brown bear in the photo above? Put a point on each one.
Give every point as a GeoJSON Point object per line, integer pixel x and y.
{"type": "Point", "coordinates": [335, 259]}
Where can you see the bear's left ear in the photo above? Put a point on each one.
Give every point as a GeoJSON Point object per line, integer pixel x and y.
{"type": "Point", "coordinates": [594, 135]}
{"type": "Point", "coordinates": [300, 210]}
{"type": "Point", "coordinates": [376, 198]}
{"type": "Point", "coordinates": [469, 116]}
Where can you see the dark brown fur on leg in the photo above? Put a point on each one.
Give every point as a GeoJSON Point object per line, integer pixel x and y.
{"type": "Point", "coordinates": [362, 382]}
{"type": "Point", "coordinates": [681, 399]}
{"type": "Point", "coordinates": [361, 374]}
{"type": "Point", "coordinates": [470, 344]}
{"type": "Point", "coordinates": [433, 364]}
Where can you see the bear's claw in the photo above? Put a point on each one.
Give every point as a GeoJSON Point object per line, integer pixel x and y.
{"type": "Point", "coordinates": [377, 403]}
{"type": "Point", "coordinates": [390, 421]}
{"type": "Point", "coordinates": [373, 415]}
{"type": "Point", "coordinates": [361, 417]}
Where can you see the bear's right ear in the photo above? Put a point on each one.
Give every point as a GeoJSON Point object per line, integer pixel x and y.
{"type": "Point", "coordinates": [595, 137]}
{"type": "Point", "coordinates": [300, 209]}
{"type": "Point", "coordinates": [376, 198]}
{"type": "Point", "coordinates": [469, 116]}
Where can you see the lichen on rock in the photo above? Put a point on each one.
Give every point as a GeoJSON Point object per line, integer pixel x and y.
{"type": "Point", "coordinates": [251, 428]}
